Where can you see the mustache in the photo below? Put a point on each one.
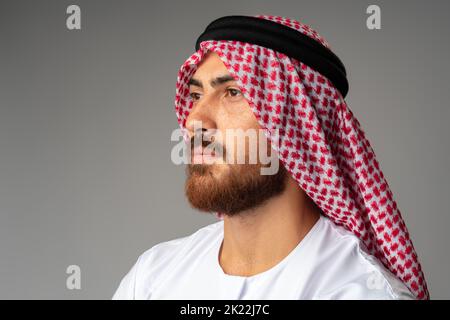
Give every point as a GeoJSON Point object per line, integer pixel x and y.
{"type": "Point", "coordinates": [206, 142]}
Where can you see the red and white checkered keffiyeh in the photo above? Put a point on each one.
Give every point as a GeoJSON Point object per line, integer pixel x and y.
{"type": "Point", "coordinates": [321, 144]}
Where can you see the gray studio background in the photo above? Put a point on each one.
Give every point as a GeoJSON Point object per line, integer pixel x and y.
{"type": "Point", "coordinates": [86, 118]}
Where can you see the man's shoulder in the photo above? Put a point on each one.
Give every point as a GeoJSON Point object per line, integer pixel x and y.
{"type": "Point", "coordinates": [155, 263]}
{"type": "Point", "coordinates": [166, 250]}
{"type": "Point", "coordinates": [355, 273]}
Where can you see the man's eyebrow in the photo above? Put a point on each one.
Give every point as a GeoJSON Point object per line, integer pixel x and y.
{"type": "Point", "coordinates": [214, 82]}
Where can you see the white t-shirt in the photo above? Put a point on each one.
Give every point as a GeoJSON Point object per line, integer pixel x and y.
{"type": "Point", "coordinates": [329, 263]}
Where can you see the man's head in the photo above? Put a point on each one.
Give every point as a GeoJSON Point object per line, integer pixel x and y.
{"type": "Point", "coordinates": [219, 105]}
{"type": "Point", "coordinates": [295, 86]}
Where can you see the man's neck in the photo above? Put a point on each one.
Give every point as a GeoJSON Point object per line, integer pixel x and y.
{"type": "Point", "coordinates": [257, 240]}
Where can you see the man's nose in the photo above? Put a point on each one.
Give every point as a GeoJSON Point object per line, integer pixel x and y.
{"type": "Point", "coordinates": [201, 117]}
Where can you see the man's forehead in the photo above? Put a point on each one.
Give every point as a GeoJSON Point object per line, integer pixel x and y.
{"type": "Point", "coordinates": [211, 70]}
{"type": "Point", "coordinates": [210, 66]}
{"type": "Point", "coordinates": [211, 57]}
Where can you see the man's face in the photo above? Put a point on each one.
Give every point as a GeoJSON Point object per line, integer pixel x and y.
{"type": "Point", "coordinates": [219, 105]}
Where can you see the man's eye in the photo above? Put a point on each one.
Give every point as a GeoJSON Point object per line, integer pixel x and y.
{"type": "Point", "coordinates": [194, 96]}
{"type": "Point", "coordinates": [234, 92]}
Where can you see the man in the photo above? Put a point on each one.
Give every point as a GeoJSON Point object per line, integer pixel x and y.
{"type": "Point", "coordinates": [323, 226]}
